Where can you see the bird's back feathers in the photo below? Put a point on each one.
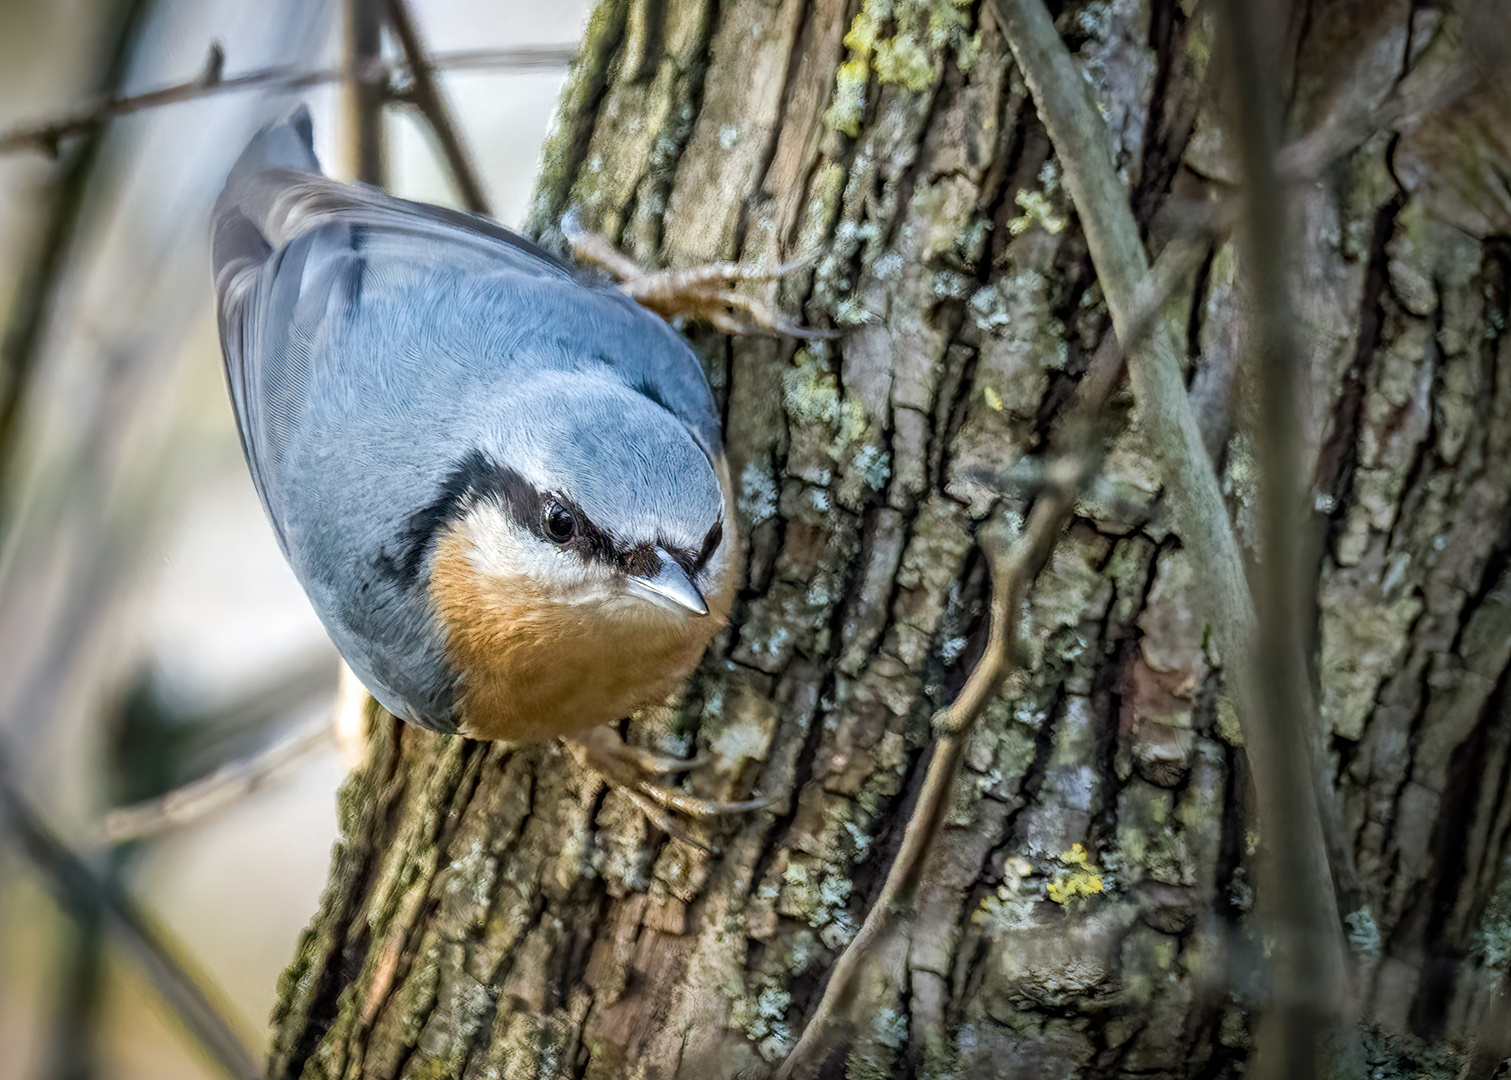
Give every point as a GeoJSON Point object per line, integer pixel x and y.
{"type": "Point", "coordinates": [373, 346]}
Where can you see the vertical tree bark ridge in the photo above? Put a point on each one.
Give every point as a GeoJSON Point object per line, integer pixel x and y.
{"type": "Point", "coordinates": [492, 913]}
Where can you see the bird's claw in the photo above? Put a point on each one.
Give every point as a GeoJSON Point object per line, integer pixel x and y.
{"type": "Point", "coordinates": [629, 769]}
{"type": "Point", "coordinates": [702, 292]}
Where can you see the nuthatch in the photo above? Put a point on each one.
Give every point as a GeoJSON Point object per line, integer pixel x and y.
{"type": "Point", "coordinates": [502, 486]}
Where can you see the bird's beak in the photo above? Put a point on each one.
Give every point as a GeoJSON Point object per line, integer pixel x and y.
{"type": "Point", "coordinates": [670, 587]}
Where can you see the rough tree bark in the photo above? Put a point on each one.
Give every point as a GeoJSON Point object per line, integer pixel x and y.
{"type": "Point", "coordinates": [493, 912]}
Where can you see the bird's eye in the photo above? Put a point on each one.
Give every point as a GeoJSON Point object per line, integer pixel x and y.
{"type": "Point", "coordinates": [559, 523]}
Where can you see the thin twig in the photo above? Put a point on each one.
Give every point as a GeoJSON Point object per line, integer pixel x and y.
{"type": "Point", "coordinates": [427, 96]}
{"type": "Point", "coordinates": [1079, 443]}
{"type": "Point", "coordinates": [1014, 568]}
{"type": "Point", "coordinates": [80, 891]}
{"type": "Point", "coordinates": [1065, 104]}
{"type": "Point", "coordinates": [47, 135]}
{"type": "Point", "coordinates": [233, 781]}
{"type": "Point", "coordinates": [1349, 122]}
{"type": "Point", "coordinates": [1009, 582]}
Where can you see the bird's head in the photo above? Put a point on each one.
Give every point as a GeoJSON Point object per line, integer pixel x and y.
{"type": "Point", "coordinates": [592, 542]}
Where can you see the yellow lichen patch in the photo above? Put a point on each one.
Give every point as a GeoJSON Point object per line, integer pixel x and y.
{"type": "Point", "coordinates": [849, 96]}
{"type": "Point", "coordinates": [904, 43]}
{"type": "Point", "coordinates": [904, 61]}
{"type": "Point", "coordinates": [1078, 878]}
{"type": "Point", "coordinates": [1037, 210]}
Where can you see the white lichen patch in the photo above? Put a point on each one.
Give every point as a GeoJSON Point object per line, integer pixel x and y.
{"type": "Point", "coordinates": [1015, 310]}
{"type": "Point", "coordinates": [810, 392]}
{"type": "Point", "coordinates": [852, 311]}
{"type": "Point", "coordinates": [873, 465]}
{"type": "Point", "coordinates": [1363, 931]}
{"type": "Point", "coordinates": [1077, 593]}
{"type": "Point", "coordinates": [468, 881]}
{"type": "Point", "coordinates": [811, 396]}
{"type": "Point", "coordinates": [816, 896]}
{"type": "Point", "coordinates": [744, 739]}
{"type": "Point", "coordinates": [1494, 938]}
{"type": "Point", "coordinates": [758, 493]}
{"type": "Point", "coordinates": [760, 1015]}
{"type": "Point", "coordinates": [1011, 908]}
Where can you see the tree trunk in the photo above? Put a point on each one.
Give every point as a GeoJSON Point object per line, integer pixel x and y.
{"type": "Point", "coordinates": [493, 912]}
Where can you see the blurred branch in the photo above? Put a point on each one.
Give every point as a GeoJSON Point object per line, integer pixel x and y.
{"type": "Point", "coordinates": [73, 1050]}
{"type": "Point", "coordinates": [1014, 566]}
{"type": "Point", "coordinates": [1063, 98]}
{"type": "Point", "coordinates": [366, 92]}
{"type": "Point", "coordinates": [427, 96]}
{"type": "Point", "coordinates": [232, 781]}
{"type": "Point", "coordinates": [1079, 444]}
{"type": "Point", "coordinates": [157, 751]}
{"type": "Point", "coordinates": [83, 893]}
{"type": "Point", "coordinates": [1415, 97]}
{"type": "Point", "coordinates": [1310, 994]}
{"type": "Point", "coordinates": [47, 135]}
{"type": "Point", "coordinates": [29, 312]}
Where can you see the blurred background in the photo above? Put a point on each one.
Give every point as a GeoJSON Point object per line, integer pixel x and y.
{"type": "Point", "coordinates": [150, 632]}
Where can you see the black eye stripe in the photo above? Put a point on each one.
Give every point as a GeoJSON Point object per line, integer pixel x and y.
{"type": "Point", "coordinates": [477, 477]}
{"type": "Point", "coordinates": [474, 476]}
{"type": "Point", "coordinates": [710, 545]}
{"type": "Point", "coordinates": [640, 560]}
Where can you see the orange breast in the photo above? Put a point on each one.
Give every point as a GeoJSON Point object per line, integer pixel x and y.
{"type": "Point", "coordinates": [534, 668]}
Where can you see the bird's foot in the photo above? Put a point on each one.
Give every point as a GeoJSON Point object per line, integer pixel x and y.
{"type": "Point", "coordinates": [633, 771]}
{"type": "Point", "coordinates": [702, 292]}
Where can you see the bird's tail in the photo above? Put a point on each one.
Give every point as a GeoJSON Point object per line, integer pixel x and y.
{"type": "Point", "coordinates": [286, 144]}
{"type": "Point", "coordinates": [246, 228]}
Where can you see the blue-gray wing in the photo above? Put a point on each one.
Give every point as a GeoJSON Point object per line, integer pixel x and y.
{"type": "Point", "coordinates": [288, 241]}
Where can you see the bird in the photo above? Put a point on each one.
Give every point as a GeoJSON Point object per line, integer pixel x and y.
{"type": "Point", "coordinates": [500, 482]}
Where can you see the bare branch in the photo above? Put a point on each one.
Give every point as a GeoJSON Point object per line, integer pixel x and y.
{"type": "Point", "coordinates": [81, 892]}
{"type": "Point", "coordinates": [47, 135]}
{"type": "Point", "coordinates": [233, 781]}
{"type": "Point", "coordinates": [427, 96]}
{"type": "Point", "coordinates": [1010, 581]}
